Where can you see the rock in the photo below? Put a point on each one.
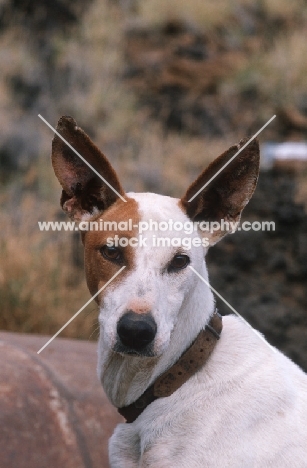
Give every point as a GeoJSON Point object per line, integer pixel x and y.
{"type": "Point", "coordinates": [53, 412]}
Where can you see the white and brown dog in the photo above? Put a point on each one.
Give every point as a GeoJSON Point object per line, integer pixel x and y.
{"type": "Point", "coordinates": [190, 399]}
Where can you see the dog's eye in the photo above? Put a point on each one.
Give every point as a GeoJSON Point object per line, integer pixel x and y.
{"type": "Point", "coordinates": [112, 254]}
{"type": "Point", "coordinates": [178, 262]}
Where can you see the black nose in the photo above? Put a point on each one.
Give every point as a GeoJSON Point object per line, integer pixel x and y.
{"type": "Point", "coordinates": [136, 331]}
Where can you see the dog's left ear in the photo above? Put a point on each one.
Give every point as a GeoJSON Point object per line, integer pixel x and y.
{"type": "Point", "coordinates": [227, 193]}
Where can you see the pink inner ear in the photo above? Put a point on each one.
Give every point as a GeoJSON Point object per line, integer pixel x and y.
{"type": "Point", "coordinates": [70, 205]}
{"type": "Point", "coordinates": [69, 173]}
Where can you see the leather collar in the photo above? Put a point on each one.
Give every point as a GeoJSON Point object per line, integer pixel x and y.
{"type": "Point", "coordinates": [190, 362]}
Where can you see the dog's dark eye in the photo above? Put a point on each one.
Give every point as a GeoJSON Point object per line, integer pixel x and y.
{"type": "Point", "coordinates": [113, 254]}
{"type": "Point", "coordinates": [178, 262]}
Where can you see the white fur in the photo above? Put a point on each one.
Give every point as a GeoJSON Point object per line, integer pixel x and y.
{"type": "Point", "coordinates": [247, 408]}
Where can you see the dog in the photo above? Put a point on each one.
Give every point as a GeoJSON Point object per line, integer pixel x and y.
{"type": "Point", "coordinates": [197, 390]}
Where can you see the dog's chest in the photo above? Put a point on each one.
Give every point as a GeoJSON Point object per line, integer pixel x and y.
{"type": "Point", "coordinates": [242, 410]}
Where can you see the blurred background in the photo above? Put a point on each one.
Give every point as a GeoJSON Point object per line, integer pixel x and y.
{"type": "Point", "coordinates": [162, 87]}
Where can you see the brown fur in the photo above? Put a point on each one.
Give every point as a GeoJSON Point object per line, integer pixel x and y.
{"type": "Point", "coordinates": [98, 269]}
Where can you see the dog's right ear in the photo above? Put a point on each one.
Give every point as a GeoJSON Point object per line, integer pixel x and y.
{"type": "Point", "coordinates": [84, 192]}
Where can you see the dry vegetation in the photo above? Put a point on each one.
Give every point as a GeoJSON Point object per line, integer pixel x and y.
{"type": "Point", "coordinates": [211, 14]}
{"type": "Point", "coordinates": [79, 72]}
{"type": "Point", "coordinates": [40, 287]}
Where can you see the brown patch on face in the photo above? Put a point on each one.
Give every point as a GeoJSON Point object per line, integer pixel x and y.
{"type": "Point", "coordinates": [98, 269]}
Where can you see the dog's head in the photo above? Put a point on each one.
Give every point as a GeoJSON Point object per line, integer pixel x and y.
{"type": "Point", "coordinates": [156, 239]}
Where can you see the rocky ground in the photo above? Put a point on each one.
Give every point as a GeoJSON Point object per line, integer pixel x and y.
{"type": "Point", "coordinates": [263, 275]}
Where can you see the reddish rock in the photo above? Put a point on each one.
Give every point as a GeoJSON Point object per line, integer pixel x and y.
{"type": "Point", "coordinates": [53, 412]}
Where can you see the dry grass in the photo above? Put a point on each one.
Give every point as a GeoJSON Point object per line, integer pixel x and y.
{"type": "Point", "coordinates": [39, 287]}
{"type": "Point", "coordinates": [96, 95]}
{"type": "Point", "coordinates": [280, 73]}
{"type": "Point", "coordinates": [284, 8]}
{"type": "Point", "coordinates": [211, 14]}
{"type": "Point", "coordinates": [197, 12]}
{"type": "Point", "coordinates": [286, 66]}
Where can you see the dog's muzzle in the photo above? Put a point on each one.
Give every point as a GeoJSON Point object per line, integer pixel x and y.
{"type": "Point", "coordinates": [136, 333]}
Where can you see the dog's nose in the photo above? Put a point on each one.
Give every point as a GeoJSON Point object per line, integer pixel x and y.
{"type": "Point", "coordinates": [136, 331]}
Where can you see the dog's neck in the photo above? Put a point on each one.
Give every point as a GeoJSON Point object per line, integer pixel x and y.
{"type": "Point", "coordinates": [125, 378]}
{"type": "Point", "coordinates": [191, 361]}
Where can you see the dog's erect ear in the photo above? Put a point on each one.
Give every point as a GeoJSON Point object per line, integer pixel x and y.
{"type": "Point", "coordinates": [84, 192]}
{"type": "Point", "coordinates": [227, 194]}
